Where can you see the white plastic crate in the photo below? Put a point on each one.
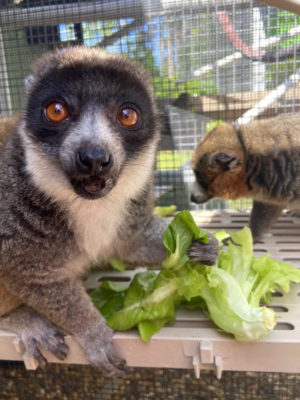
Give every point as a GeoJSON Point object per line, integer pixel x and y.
{"type": "Point", "coordinates": [193, 341]}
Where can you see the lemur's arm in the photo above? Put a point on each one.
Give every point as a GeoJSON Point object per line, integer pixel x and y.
{"type": "Point", "coordinates": [65, 303]}
{"type": "Point", "coordinates": [146, 246]}
{"type": "Point", "coordinates": [262, 218]}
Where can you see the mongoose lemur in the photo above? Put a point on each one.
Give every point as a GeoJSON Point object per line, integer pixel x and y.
{"type": "Point", "coordinates": [75, 187]}
{"type": "Point", "coordinates": [259, 160]}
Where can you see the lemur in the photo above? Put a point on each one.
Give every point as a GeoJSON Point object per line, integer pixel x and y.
{"type": "Point", "coordinates": [258, 160]}
{"type": "Point", "coordinates": [76, 186]}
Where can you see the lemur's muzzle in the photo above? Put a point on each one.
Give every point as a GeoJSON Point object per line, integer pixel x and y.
{"type": "Point", "coordinates": [198, 195]}
{"type": "Point", "coordinates": [94, 165]}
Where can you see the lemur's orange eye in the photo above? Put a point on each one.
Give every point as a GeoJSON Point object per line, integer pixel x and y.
{"type": "Point", "coordinates": [56, 111]}
{"type": "Point", "coordinates": [128, 116]}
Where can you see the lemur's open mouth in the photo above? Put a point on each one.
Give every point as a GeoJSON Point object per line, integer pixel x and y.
{"type": "Point", "coordinates": [91, 187]}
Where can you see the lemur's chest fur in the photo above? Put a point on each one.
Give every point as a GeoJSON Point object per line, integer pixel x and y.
{"type": "Point", "coordinates": [96, 226]}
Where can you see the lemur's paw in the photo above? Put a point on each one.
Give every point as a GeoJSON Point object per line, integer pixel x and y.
{"type": "Point", "coordinates": [42, 334]}
{"type": "Point", "coordinates": [99, 350]}
{"type": "Point", "coordinates": [205, 253]}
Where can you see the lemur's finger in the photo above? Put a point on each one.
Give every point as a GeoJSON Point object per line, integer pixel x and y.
{"type": "Point", "coordinates": [32, 351]}
{"type": "Point", "coordinates": [109, 368]}
{"type": "Point", "coordinates": [56, 345]}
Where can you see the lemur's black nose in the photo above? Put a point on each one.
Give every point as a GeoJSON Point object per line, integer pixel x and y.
{"type": "Point", "coordinates": [194, 198]}
{"type": "Point", "coordinates": [93, 160]}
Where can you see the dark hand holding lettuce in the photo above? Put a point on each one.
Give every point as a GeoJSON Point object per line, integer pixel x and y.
{"type": "Point", "coordinates": [230, 292]}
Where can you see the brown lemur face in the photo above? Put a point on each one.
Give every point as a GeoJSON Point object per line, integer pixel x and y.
{"type": "Point", "coordinates": [218, 165]}
{"type": "Point", "coordinates": [91, 113]}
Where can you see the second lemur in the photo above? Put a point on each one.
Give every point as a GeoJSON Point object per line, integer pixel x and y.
{"type": "Point", "coordinates": [259, 160]}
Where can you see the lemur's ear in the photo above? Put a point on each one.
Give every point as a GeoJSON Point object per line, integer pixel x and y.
{"type": "Point", "coordinates": [29, 83]}
{"type": "Point", "coordinates": [224, 161]}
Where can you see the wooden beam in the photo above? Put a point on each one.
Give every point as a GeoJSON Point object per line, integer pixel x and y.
{"type": "Point", "coordinates": [229, 107]}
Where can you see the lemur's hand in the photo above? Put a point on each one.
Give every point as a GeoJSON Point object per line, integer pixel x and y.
{"type": "Point", "coordinates": [205, 253]}
{"type": "Point", "coordinates": [98, 347]}
{"type": "Point", "coordinates": [35, 332]}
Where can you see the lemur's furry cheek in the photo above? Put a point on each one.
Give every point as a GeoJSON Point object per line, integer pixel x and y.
{"type": "Point", "coordinates": [230, 185]}
{"type": "Point", "coordinates": [219, 174]}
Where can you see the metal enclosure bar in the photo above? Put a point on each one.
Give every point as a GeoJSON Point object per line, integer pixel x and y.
{"type": "Point", "coordinates": [19, 17]}
{"type": "Point", "coordinates": [289, 5]}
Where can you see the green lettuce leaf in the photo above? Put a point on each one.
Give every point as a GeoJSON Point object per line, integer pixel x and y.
{"type": "Point", "coordinates": [229, 309]}
{"type": "Point", "coordinates": [177, 239]}
{"type": "Point", "coordinates": [108, 298]}
{"type": "Point", "coordinates": [240, 283]}
{"type": "Point", "coordinates": [165, 211]}
{"type": "Point", "coordinates": [148, 328]}
{"type": "Point", "coordinates": [232, 292]}
{"type": "Point", "coordinates": [117, 264]}
{"type": "Point", "coordinates": [158, 304]}
{"type": "Point", "coordinates": [273, 275]}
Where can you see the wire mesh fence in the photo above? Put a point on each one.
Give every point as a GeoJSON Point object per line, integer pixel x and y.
{"type": "Point", "coordinates": [210, 62]}
{"type": "Point", "coordinates": [78, 382]}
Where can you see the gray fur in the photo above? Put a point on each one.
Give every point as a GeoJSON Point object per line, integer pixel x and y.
{"type": "Point", "coordinates": [35, 331]}
{"type": "Point", "coordinates": [262, 217]}
{"type": "Point", "coordinates": [49, 234]}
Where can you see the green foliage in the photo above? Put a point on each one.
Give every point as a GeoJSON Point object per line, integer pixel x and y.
{"type": "Point", "coordinates": [281, 22]}
{"type": "Point", "coordinates": [168, 87]}
{"type": "Point", "coordinates": [212, 125]}
{"type": "Point", "coordinates": [277, 73]}
{"type": "Point", "coordinates": [167, 160]}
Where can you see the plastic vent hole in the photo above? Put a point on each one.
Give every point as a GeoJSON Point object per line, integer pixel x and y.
{"type": "Point", "coordinates": [277, 294]}
{"type": "Point", "coordinates": [192, 324]}
{"type": "Point", "coordinates": [291, 260]}
{"type": "Point", "coordinates": [114, 279]}
{"type": "Point", "coordinates": [288, 241]}
{"type": "Point", "coordinates": [279, 308]}
{"type": "Point", "coordinates": [289, 250]}
{"type": "Point", "coordinates": [284, 326]}
{"type": "Point", "coordinates": [290, 233]}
